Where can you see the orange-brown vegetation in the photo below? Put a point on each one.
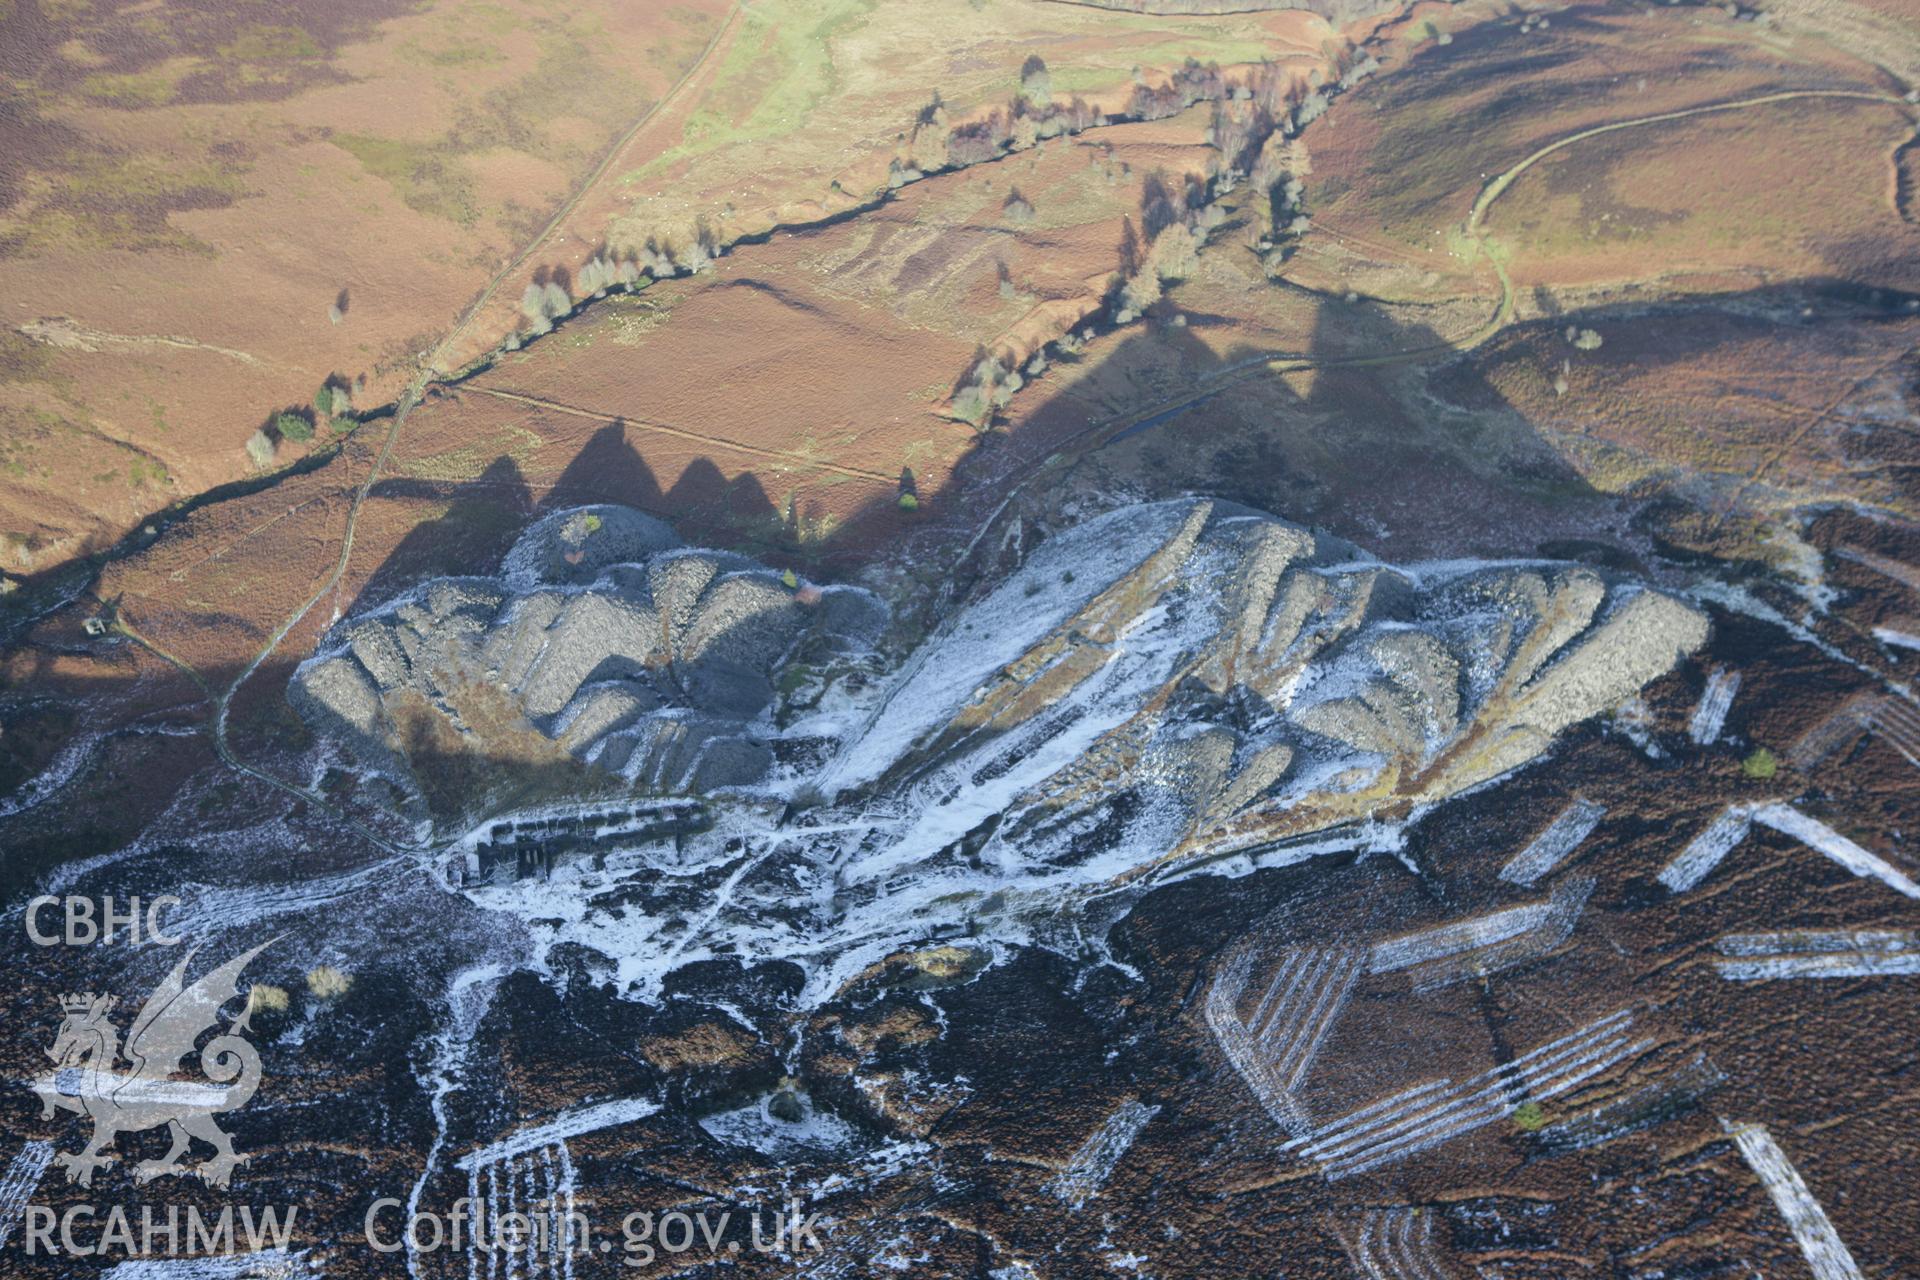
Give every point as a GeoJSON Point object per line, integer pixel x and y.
{"type": "Point", "coordinates": [215, 214]}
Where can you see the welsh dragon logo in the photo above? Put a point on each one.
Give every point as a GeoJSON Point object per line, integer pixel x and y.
{"type": "Point", "coordinates": [86, 1079]}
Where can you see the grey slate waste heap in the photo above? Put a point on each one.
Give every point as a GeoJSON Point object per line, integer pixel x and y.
{"type": "Point", "coordinates": [650, 659]}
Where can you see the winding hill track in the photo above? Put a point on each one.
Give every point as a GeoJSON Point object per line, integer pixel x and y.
{"type": "Point", "coordinates": [408, 401]}
{"type": "Point", "coordinates": [1094, 436]}
{"type": "Point", "coordinates": [1097, 434]}
{"type": "Point", "coordinates": [1091, 437]}
{"type": "Point", "coordinates": [796, 460]}
{"type": "Point", "coordinates": [1499, 184]}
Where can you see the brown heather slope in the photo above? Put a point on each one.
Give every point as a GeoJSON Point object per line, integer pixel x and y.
{"type": "Point", "coordinates": [1783, 377]}
{"type": "Point", "coordinates": [983, 269]}
{"type": "Point", "coordinates": [792, 117]}
{"type": "Point", "coordinates": [1779, 381]}
{"type": "Point", "coordinates": [821, 362]}
{"type": "Point", "coordinates": [774, 402]}
{"type": "Point", "coordinates": [809, 110]}
{"type": "Point", "coordinates": [1397, 168]}
{"type": "Point", "coordinates": [792, 445]}
{"type": "Point", "coordinates": [189, 195]}
{"type": "Point", "coordinates": [193, 200]}
{"type": "Point", "coordinates": [766, 404]}
{"type": "Point", "coordinates": [1755, 408]}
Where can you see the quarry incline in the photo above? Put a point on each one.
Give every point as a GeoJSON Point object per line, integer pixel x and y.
{"type": "Point", "coordinates": [1216, 690]}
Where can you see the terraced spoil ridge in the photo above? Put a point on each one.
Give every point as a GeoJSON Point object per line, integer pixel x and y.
{"type": "Point", "coordinates": [1163, 690]}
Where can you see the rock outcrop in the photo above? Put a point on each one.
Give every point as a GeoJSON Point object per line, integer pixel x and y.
{"type": "Point", "coordinates": [1243, 682]}
{"type": "Point", "coordinates": [603, 635]}
{"type": "Point", "coordinates": [1165, 689]}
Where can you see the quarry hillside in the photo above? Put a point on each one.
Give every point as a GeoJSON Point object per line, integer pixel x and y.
{"type": "Point", "coordinates": [1030, 639]}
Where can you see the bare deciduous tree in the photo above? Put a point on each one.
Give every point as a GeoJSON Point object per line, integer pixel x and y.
{"type": "Point", "coordinates": [1036, 85]}
{"type": "Point", "coordinates": [261, 448]}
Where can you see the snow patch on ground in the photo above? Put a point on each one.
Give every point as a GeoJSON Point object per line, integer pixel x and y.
{"type": "Point", "coordinates": [755, 1127]}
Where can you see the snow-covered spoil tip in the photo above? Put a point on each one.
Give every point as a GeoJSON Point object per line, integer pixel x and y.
{"type": "Point", "coordinates": [1063, 577]}
{"type": "Point", "coordinates": [1170, 689]}
{"type": "Point", "coordinates": [1554, 844]}
{"type": "Point", "coordinates": [1812, 1230]}
{"type": "Point", "coordinates": [603, 647]}
{"type": "Point", "coordinates": [1234, 681]}
{"type": "Point", "coordinates": [576, 544]}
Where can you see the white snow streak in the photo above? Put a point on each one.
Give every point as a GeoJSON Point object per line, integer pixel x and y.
{"type": "Point", "coordinates": [21, 1180]}
{"type": "Point", "coordinates": [1823, 839]}
{"type": "Point", "coordinates": [1805, 1218]}
{"type": "Point", "coordinates": [568, 1124]}
{"type": "Point", "coordinates": [1553, 845]}
{"type": "Point", "coordinates": [1092, 1164]}
{"type": "Point", "coordinates": [1823, 953]}
{"type": "Point", "coordinates": [1429, 1114]}
{"type": "Point", "coordinates": [266, 1264]}
{"type": "Point", "coordinates": [1711, 715]}
{"type": "Point", "coordinates": [1704, 852]}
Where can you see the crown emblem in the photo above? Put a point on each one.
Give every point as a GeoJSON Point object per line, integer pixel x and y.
{"type": "Point", "coordinates": [84, 1002]}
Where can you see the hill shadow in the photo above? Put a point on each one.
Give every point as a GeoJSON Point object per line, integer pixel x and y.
{"type": "Point", "coordinates": [1151, 357]}
{"type": "Point", "coordinates": [1411, 460]}
{"type": "Point", "coordinates": [487, 513]}
{"type": "Point", "coordinates": [482, 518]}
